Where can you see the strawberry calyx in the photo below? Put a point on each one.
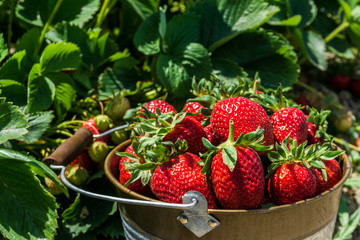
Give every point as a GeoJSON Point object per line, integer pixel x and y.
{"type": "Point", "coordinates": [320, 122]}
{"type": "Point", "coordinates": [252, 139]}
{"type": "Point", "coordinates": [288, 152]}
{"type": "Point", "coordinates": [150, 153]}
{"type": "Point", "coordinates": [274, 101]}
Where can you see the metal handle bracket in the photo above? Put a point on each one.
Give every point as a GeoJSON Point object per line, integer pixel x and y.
{"type": "Point", "coordinates": [197, 219]}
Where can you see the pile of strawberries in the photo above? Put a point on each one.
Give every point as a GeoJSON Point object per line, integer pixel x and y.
{"type": "Point", "coordinates": [240, 147]}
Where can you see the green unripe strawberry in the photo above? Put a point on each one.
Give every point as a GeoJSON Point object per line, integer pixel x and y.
{"type": "Point", "coordinates": [102, 122]}
{"type": "Point", "coordinates": [117, 108]}
{"type": "Point", "coordinates": [119, 136]}
{"type": "Point", "coordinates": [98, 151]}
{"type": "Point", "coordinates": [78, 175]}
{"type": "Point", "coordinates": [53, 188]}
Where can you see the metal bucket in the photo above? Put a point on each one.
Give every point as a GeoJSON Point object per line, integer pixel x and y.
{"type": "Point", "coordinates": [312, 218]}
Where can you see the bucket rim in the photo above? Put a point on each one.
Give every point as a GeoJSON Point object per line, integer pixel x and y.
{"type": "Point", "coordinates": [346, 170]}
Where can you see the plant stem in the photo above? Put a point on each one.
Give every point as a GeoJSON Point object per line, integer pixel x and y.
{"type": "Point", "coordinates": [341, 142]}
{"type": "Point", "coordinates": [304, 85]}
{"type": "Point", "coordinates": [47, 25]}
{"type": "Point", "coordinates": [105, 8]}
{"type": "Point", "coordinates": [333, 34]}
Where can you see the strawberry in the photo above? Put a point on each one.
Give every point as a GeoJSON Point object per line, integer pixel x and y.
{"type": "Point", "coordinates": [77, 175]}
{"type": "Point", "coordinates": [163, 106]}
{"type": "Point", "coordinates": [117, 108]}
{"type": "Point", "coordinates": [236, 170]}
{"type": "Point", "coordinates": [333, 175]}
{"type": "Point", "coordinates": [171, 180]}
{"type": "Point", "coordinates": [86, 162]}
{"type": "Point", "coordinates": [289, 121]}
{"type": "Point", "coordinates": [98, 151]}
{"type": "Point", "coordinates": [340, 81]}
{"type": "Point", "coordinates": [355, 87]}
{"type": "Point", "coordinates": [211, 136]}
{"type": "Point", "coordinates": [125, 175]}
{"type": "Point", "coordinates": [102, 122]}
{"type": "Point", "coordinates": [357, 141]}
{"type": "Point", "coordinates": [292, 176]}
{"type": "Point", "coordinates": [91, 125]}
{"type": "Point", "coordinates": [291, 182]}
{"type": "Point", "coordinates": [247, 116]}
{"type": "Point", "coordinates": [191, 130]}
{"type": "Point", "coordinates": [317, 126]}
{"type": "Point", "coordinates": [344, 122]}
{"type": "Point", "coordinates": [195, 107]}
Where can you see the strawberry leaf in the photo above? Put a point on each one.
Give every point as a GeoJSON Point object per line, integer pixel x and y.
{"type": "Point", "coordinates": [26, 198]}
{"type": "Point", "coordinates": [147, 38]}
{"type": "Point", "coordinates": [208, 144]}
{"type": "Point", "coordinates": [3, 48]}
{"type": "Point", "coordinates": [60, 56]}
{"type": "Point", "coordinates": [331, 155]}
{"type": "Point", "coordinates": [229, 155]}
{"type": "Point", "coordinates": [134, 176]}
{"type": "Point", "coordinates": [131, 156]}
{"type": "Point", "coordinates": [14, 92]}
{"type": "Point", "coordinates": [38, 124]}
{"type": "Point", "coordinates": [13, 68]}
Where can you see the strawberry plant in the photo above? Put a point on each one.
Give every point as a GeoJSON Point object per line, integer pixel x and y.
{"type": "Point", "coordinates": [66, 65]}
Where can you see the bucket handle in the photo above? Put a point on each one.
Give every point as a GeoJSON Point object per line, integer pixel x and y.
{"type": "Point", "coordinates": [195, 214]}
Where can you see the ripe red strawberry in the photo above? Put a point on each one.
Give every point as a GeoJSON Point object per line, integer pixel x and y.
{"type": "Point", "coordinates": [291, 182]}
{"type": "Point", "coordinates": [292, 176]}
{"type": "Point", "coordinates": [340, 81]}
{"type": "Point", "coordinates": [311, 138]}
{"type": "Point", "coordinates": [355, 87]}
{"type": "Point", "coordinates": [171, 180]}
{"type": "Point", "coordinates": [333, 173]}
{"type": "Point", "coordinates": [125, 175]}
{"type": "Point", "coordinates": [163, 106]}
{"type": "Point", "coordinates": [247, 116]}
{"type": "Point", "coordinates": [211, 135]}
{"type": "Point", "coordinates": [242, 188]}
{"type": "Point", "coordinates": [191, 130]}
{"type": "Point", "coordinates": [86, 162]}
{"type": "Point", "coordinates": [91, 125]}
{"type": "Point", "coordinates": [289, 121]}
{"type": "Point", "coordinates": [195, 107]}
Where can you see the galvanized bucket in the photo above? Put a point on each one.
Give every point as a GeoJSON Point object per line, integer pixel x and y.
{"type": "Point", "coordinates": [312, 218]}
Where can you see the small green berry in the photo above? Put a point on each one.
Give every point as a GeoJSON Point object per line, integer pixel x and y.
{"type": "Point", "coordinates": [119, 136]}
{"type": "Point", "coordinates": [98, 151]}
{"type": "Point", "coordinates": [102, 122]}
{"type": "Point", "coordinates": [78, 176]}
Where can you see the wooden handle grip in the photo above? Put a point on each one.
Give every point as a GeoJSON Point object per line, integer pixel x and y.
{"type": "Point", "coordinates": [71, 148]}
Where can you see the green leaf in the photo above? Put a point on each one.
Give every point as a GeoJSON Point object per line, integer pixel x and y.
{"type": "Point", "coordinates": [181, 31]}
{"type": "Point", "coordinates": [64, 93]}
{"type": "Point", "coordinates": [229, 155]}
{"type": "Point", "coordinates": [3, 48]}
{"type": "Point", "coordinates": [26, 42]}
{"type": "Point", "coordinates": [227, 70]}
{"type": "Point", "coordinates": [117, 79]}
{"type": "Point", "coordinates": [143, 8]}
{"type": "Point", "coordinates": [38, 124]}
{"type": "Point", "coordinates": [41, 91]}
{"type": "Point", "coordinates": [12, 122]}
{"type": "Point", "coordinates": [341, 48]}
{"type": "Point", "coordinates": [87, 213]}
{"type": "Point", "coordinates": [60, 56]}
{"type": "Point", "coordinates": [37, 12]}
{"type": "Point", "coordinates": [96, 49]}
{"type": "Point", "coordinates": [343, 212]}
{"type": "Point", "coordinates": [13, 91]}
{"type": "Point", "coordinates": [195, 58]}
{"type": "Point", "coordinates": [229, 18]}
{"type": "Point", "coordinates": [12, 69]}
{"type": "Point", "coordinates": [31, 211]}
{"type": "Point", "coordinates": [291, 21]}
{"type": "Point", "coordinates": [111, 228]}
{"type": "Point", "coordinates": [346, 9]}
{"type": "Point", "coordinates": [173, 76]}
{"type": "Point", "coordinates": [346, 231]}
{"type": "Point", "coordinates": [306, 9]}
{"type": "Point", "coordinates": [266, 53]}
{"type": "Point", "coordinates": [331, 155]}
{"type": "Point", "coordinates": [315, 48]}
{"type": "Point", "coordinates": [147, 38]}
{"type": "Point", "coordinates": [353, 182]}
